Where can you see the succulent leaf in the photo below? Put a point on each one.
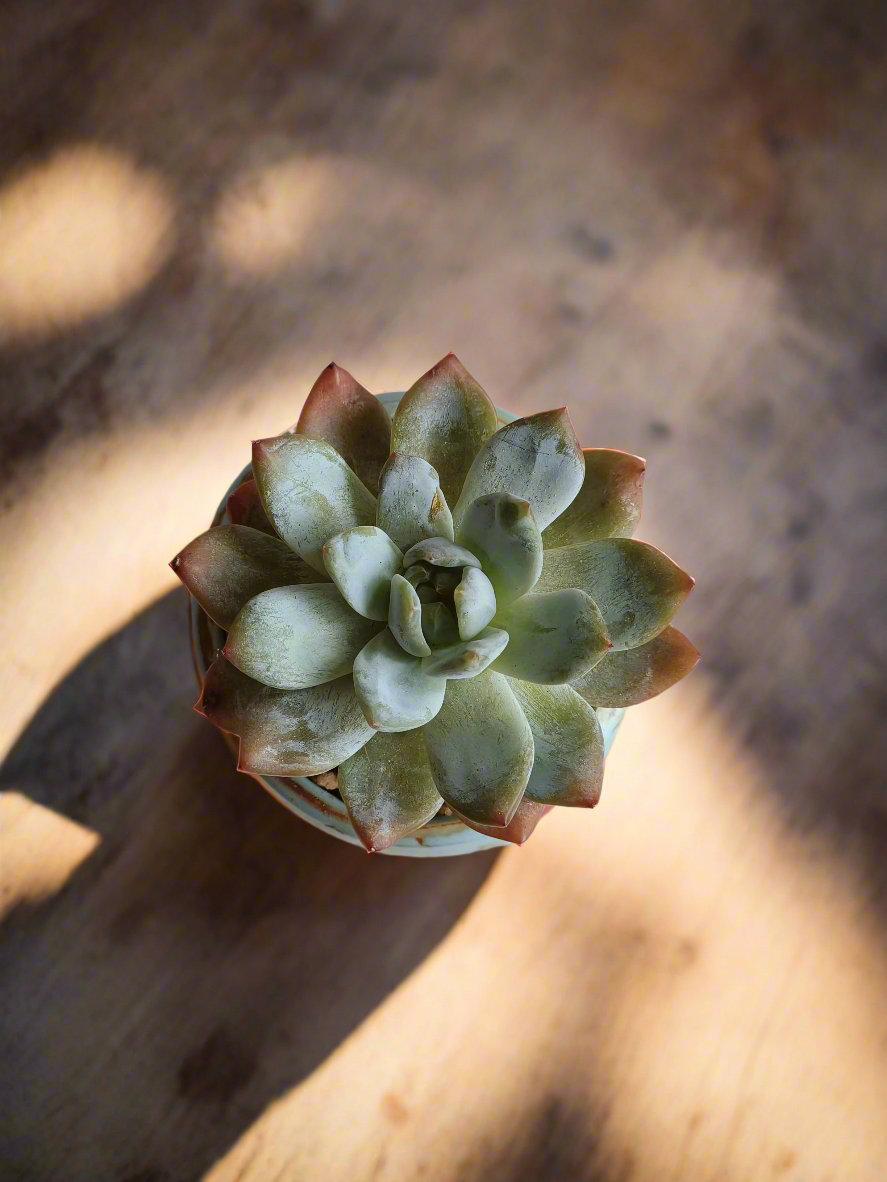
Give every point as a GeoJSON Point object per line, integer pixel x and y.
{"type": "Point", "coordinates": [501, 531]}
{"type": "Point", "coordinates": [439, 552]}
{"type": "Point", "coordinates": [554, 637]}
{"type": "Point", "coordinates": [388, 788]}
{"type": "Point", "coordinates": [285, 732]}
{"type": "Point", "coordinates": [411, 505]}
{"type": "Point", "coordinates": [637, 588]}
{"type": "Point", "coordinates": [395, 692]}
{"type": "Point", "coordinates": [439, 624]}
{"type": "Point", "coordinates": [444, 418]}
{"type": "Point", "coordinates": [230, 564]}
{"type": "Point", "coordinates": [339, 410]}
{"type": "Point", "coordinates": [568, 767]}
{"type": "Point", "coordinates": [480, 748]}
{"type": "Point", "coordinates": [295, 637]}
{"type": "Point", "coordinates": [537, 458]}
{"type": "Point", "coordinates": [629, 676]}
{"type": "Point", "coordinates": [448, 578]}
{"type": "Point", "coordinates": [468, 658]}
{"type": "Point", "coordinates": [519, 828]}
{"type": "Point", "coordinates": [405, 618]}
{"type": "Point", "coordinates": [309, 493]}
{"type": "Point", "coordinates": [244, 507]}
{"type": "Point", "coordinates": [609, 503]}
{"type": "Point", "coordinates": [419, 572]}
{"type": "Point", "coordinates": [362, 561]}
{"type": "Point", "coordinates": [475, 602]}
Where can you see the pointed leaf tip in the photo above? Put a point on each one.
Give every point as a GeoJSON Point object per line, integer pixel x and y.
{"type": "Point", "coordinates": [631, 676]}
{"type": "Point", "coordinates": [607, 505]}
{"type": "Point", "coordinates": [637, 588]}
{"type": "Point", "coordinates": [444, 418]}
{"type": "Point", "coordinates": [345, 414]}
{"type": "Point", "coordinates": [228, 565]}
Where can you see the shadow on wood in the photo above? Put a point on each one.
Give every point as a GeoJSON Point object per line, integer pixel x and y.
{"type": "Point", "coordinates": [211, 952]}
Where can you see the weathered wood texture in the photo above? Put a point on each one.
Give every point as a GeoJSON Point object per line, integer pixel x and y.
{"type": "Point", "coordinates": [669, 215]}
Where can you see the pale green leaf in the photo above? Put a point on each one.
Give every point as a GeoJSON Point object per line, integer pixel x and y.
{"type": "Point", "coordinates": [481, 749]}
{"type": "Point", "coordinates": [362, 561]}
{"type": "Point", "coordinates": [405, 618]}
{"type": "Point", "coordinates": [309, 493]}
{"type": "Point", "coordinates": [444, 418]}
{"type": "Point", "coordinates": [568, 766]}
{"type": "Point", "coordinates": [395, 692]}
{"type": "Point", "coordinates": [439, 552]}
{"type": "Point", "coordinates": [475, 602]}
{"type": "Point", "coordinates": [468, 658]}
{"type": "Point", "coordinates": [629, 676]}
{"type": "Point", "coordinates": [554, 637]}
{"type": "Point", "coordinates": [537, 458]}
{"type": "Point", "coordinates": [439, 624]}
{"type": "Point", "coordinates": [607, 506]}
{"type": "Point", "coordinates": [339, 410]}
{"type": "Point", "coordinates": [294, 637]}
{"type": "Point", "coordinates": [388, 789]}
{"type": "Point", "coordinates": [501, 531]}
{"type": "Point", "coordinates": [229, 564]}
{"type": "Point", "coordinates": [285, 732]}
{"type": "Point", "coordinates": [637, 588]}
{"type": "Point", "coordinates": [411, 505]}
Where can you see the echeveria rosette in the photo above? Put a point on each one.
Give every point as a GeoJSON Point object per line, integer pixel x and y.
{"type": "Point", "coordinates": [435, 606]}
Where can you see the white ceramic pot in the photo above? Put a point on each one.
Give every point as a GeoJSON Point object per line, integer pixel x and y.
{"type": "Point", "coordinates": [443, 836]}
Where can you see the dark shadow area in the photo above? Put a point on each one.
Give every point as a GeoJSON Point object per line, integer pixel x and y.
{"type": "Point", "coordinates": [209, 955]}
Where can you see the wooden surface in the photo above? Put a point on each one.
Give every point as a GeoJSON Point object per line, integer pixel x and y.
{"type": "Point", "coordinates": [670, 216]}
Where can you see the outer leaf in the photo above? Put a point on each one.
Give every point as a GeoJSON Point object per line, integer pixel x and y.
{"type": "Point", "coordinates": [285, 732]}
{"type": "Point", "coordinates": [609, 503]}
{"type": "Point", "coordinates": [444, 418]}
{"type": "Point", "coordinates": [554, 637]}
{"type": "Point", "coordinates": [501, 531]}
{"type": "Point", "coordinates": [468, 658]}
{"type": "Point", "coordinates": [537, 458]}
{"type": "Point", "coordinates": [519, 828]}
{"type": "Point", "coordinates": [439, 624]}
{"type": "Point", "coordinates": [339, 410]}
{"type": "Point", "coordinates": [475, 602]}
{"type": "Point", "coordinates": [568, 768]}
{"type": "Point", "coordinates": [405, 618]}
{"type": "Point", "coordinates": [630, 676]}
{"type": "Point", "coordinates": [411, 504]}
{"type": "Point", "coordinates": [362, 562]}
{"type": "Point", "coordinates": [228, 565]}
{"type": "Point", "coordinates": [636, 586]}
{"type": "Point", "coordinates": [244, 507]}
{"type": "Point", "coordinates": [294, 637]}
{"type": "Point", "coordinates": [388, 789]}
{"type": "Point", "coordinates": [394, 691]}
{"type": "Point", "coordinates": [438, 552]}
{"type": "Point", "coordinates": [309, 493]}
{"type": "Point", "coordinates": [481, 749]}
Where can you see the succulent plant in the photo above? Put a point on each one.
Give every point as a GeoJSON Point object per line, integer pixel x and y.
{"type": "Point", "coordinates": [434, 605]}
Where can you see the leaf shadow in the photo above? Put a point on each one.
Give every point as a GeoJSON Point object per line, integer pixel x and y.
{"type": "Point", "coordinates": [213, 950]}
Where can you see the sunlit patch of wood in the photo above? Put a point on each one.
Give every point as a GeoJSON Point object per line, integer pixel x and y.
{"type": "Point", "coordinates": [79, 233]}
{"type": "Point", "coordinates": [293, 211]}
{"type": "Point", "coordinates": [39, 851]}
{"type": "Point", "coordinates": [671, 980]}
